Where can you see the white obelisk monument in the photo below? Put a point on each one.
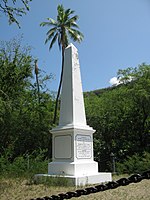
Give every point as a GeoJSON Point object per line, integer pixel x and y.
{"type": "Point", "coordinates": [72, 148]}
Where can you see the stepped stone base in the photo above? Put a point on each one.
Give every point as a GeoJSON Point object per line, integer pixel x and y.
{"type": "Point", "coordinates": [82, 168]}
{"type": "Point", "coordinates": [79, 180]}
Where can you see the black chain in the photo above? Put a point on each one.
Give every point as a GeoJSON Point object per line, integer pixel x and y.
{"type": "Point", "coordinates": [99, 188]}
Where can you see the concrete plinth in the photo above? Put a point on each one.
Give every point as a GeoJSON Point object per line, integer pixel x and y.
{"type": "Point", "coordinates": [78, 173]}
{"type": "Point", "coordinates": [72, 168]}
{"type": "Point", "coordinates": [78, 180]}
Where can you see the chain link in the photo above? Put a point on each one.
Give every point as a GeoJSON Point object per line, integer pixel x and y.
{"type": "Point", "coordinates": [99, 188]}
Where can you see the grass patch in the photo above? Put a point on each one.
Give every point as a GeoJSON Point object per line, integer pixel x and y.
{"type": "Point", "coordinates": [52, 181]}
{"type": "Point", "coordinates": [21, 188]}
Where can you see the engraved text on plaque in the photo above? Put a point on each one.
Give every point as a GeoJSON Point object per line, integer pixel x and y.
{"type": "Point", "coordinates": [83, 146]}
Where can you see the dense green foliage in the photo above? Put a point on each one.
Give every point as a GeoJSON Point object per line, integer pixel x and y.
{"type": "Point", "coordinates": [24, 122]}
{"type": "Point", "coordinates": [135, 164]}
{"type": "Point", "coordinates": [121, 116]}
{"type": "Point", "coordinates": [26, 165]}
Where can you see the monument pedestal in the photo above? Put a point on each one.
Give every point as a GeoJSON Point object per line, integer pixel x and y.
{"type": "Point", "coordinates": [73, 156]}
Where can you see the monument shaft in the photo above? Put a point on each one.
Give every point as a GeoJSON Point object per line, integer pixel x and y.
{"type": "Point", "coordinates": [72, 110]}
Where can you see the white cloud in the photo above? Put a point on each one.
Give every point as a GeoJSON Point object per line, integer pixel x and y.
{"type": "Point", "coordinates": [114, 81]}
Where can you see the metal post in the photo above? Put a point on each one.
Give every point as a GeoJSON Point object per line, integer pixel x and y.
{"type": "Point", "coordinates": [113, 162]}
{"type": "Point", "coordinates": [28, 162]}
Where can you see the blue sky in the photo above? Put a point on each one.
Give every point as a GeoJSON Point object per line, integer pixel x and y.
{"type": "Point", "coordinates": [116, 36]}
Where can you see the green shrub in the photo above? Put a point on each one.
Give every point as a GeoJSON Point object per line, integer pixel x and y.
{"type": "Point", "coordinates": [23, 166]}
{"type": "Point", "coordinates": [134, 164]}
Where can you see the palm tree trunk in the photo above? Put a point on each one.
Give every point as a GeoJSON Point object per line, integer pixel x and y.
{"type": "Point", "coordinates": [38, 88]}
{"type": "Point", "coordinates": [37, 81]}
{"type": "Point", "coordinates": [59, 88]}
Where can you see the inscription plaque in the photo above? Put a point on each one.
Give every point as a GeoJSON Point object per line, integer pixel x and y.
{"type": "Point", "coordinates": [60, 142]}
{"type": "Point", "coordinates": [83, 146]}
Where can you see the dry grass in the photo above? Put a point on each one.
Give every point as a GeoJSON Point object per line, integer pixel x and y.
{"type": "Point", "coordinates": [20, 189]}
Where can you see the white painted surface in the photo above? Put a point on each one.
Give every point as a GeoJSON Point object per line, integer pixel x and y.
{"type": "Point", "coordinates": [72, 110]}
{"type": "Point", "coordinates": [73, 168]}
{"type": "Point", "coordinates": [72, 145]}
{"type": "Point", "coordinates": [80, 180]}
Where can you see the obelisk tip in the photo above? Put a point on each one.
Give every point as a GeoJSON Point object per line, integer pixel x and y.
{"type": "Point", "coordinates": [71, 46]}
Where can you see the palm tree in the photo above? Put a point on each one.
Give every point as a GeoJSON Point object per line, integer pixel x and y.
{"type": "Point", "coordinates": [61, 29]}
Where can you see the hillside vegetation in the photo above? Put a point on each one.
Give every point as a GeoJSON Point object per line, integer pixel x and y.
{"type": "Point", "coordinates": [121, 117]}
